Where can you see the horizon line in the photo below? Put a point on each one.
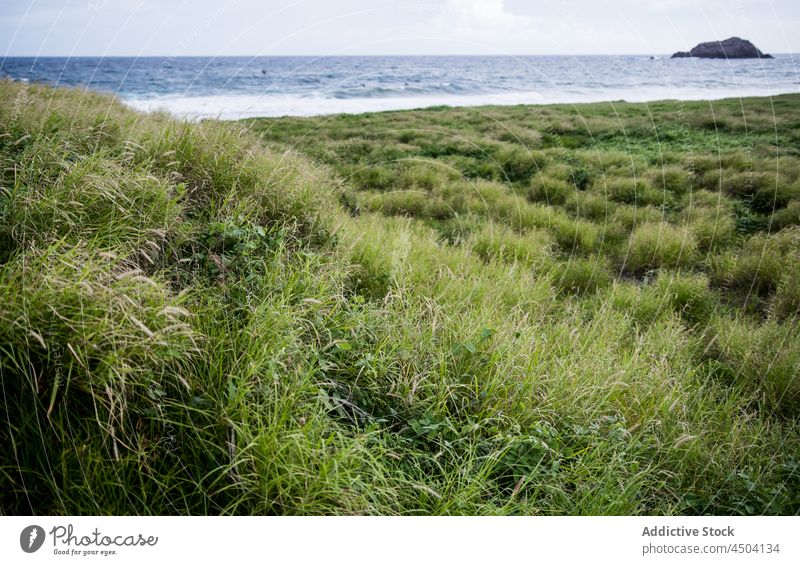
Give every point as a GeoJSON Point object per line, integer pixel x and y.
{"type": "Point", "coordinates": [322, 56]}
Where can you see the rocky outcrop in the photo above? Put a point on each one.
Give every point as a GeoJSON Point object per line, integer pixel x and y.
{"type": "Point", "coordinates": [731, 48]}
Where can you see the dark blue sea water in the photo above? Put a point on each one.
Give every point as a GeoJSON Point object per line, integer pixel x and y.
{"type": "Point", "coordinates": [235, 87]}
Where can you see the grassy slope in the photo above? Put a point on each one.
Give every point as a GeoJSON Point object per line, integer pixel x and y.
{"type": "Point", "coordinates": [500, 310]}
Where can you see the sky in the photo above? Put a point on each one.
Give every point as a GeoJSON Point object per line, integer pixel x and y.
{"type": "Point", "coordinates": [384, 27]}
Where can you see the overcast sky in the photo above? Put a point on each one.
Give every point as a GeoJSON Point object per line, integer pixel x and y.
{"type": "Point", "coordinates": [327, 27]}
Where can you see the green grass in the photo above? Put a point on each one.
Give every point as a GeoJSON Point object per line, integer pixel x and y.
{"type": "Point", "coordinates": [506, 310]}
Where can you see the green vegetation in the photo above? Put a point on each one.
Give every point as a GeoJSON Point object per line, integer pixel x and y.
{"type": "Point", "coordinates": [515, 310]}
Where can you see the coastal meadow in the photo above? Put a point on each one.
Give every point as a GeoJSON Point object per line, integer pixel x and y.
{"type": "Point", "coordinates": [543, 310]}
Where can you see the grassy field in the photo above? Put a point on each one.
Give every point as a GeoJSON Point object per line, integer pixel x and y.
{"type": "Point", "coordinates": [502, 310]}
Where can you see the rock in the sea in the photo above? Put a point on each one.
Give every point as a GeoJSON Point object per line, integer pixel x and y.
{"type": "Point", "coordinates": [731, 48]}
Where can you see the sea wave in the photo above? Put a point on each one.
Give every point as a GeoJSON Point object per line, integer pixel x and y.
{"type": "Point", "coordinates": [407, 89]}
{"type": "Point", "coordinates": [237, 87]}
{"type": "Point", "coordinates": [239, 106]}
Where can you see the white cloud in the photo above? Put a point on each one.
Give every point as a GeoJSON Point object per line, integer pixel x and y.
{"type": "Point", "coordinates": [489, 13]}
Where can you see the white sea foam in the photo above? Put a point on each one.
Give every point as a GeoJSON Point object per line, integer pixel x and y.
{"type": "Point", "coordinates": [238, 106]}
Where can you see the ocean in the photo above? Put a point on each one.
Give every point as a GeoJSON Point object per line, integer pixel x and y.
{"type": "Point", "coordinates": [239, 87]}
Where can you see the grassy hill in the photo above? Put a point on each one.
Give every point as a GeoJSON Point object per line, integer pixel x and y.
{"type": "Point", "coordinates": [513, 310]}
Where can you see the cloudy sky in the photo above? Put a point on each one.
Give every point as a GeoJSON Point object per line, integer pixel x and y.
{"type": "Point", "coordinates": [320, 27]}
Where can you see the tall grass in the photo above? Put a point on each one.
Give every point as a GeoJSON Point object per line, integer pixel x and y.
{"type": "Point", "coordinates": [435, 320]}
